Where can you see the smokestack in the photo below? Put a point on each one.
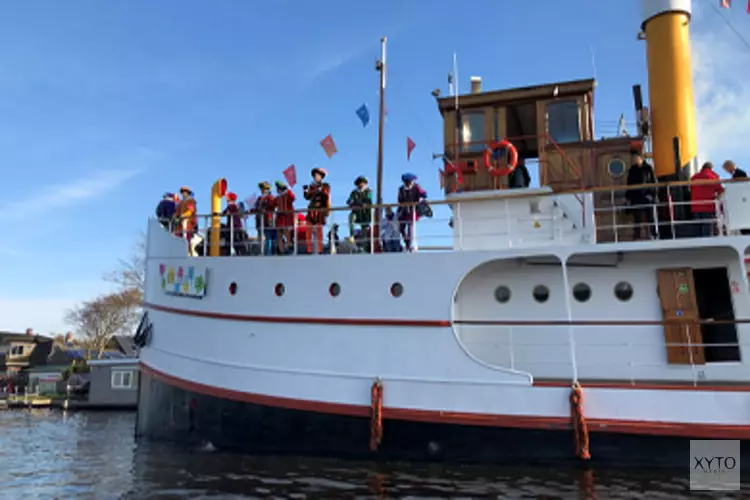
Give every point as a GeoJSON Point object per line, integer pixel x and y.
{"type": "Point", "coordinates": [476, 84]}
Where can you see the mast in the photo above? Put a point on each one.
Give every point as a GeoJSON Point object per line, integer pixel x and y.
{"type": "Point", "coordinates": [380, 67]}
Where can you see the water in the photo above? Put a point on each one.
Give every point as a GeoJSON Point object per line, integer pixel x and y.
{"type": "Point", "coordinates": [48, 454]}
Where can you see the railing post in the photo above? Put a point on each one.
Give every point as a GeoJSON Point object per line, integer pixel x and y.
{"type": "Point", "coordinates": [458, 226]}
{"type": "Point", "coordinates": [332, 224]}
{"type": "Point", "coordinates": [231, 235]}
{"type": "Point", "coordinates": [262, 232]}
{"type": "Point", "coordinates": [205, 238]}
{"type": "Point", "coordinates": [671, 212]}
{"type": "Point", "coordinates": [413, 231]}
{"type": "Point", "coordinates": [508, 224]}
{"type": "Point", "coordinates": [613, 208]}
{"type": "Point", "coordinates": [295, 227]}
{"type": "Point", "coordinates": [372, 229]}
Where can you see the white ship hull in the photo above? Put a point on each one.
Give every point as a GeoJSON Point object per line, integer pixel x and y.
{"type": "Point", "coordinates": [447, 353]}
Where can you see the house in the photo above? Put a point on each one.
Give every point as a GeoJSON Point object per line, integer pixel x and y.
{"type": "Point", "coordinates": [24, 350]}
{"type": "Point", "coordinates": [114, 383]}
{"type": "Point", "coordinates": [44, 379]}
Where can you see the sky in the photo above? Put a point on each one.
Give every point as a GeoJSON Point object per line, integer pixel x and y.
{"type": "Point", "coordinates": [104, 106]}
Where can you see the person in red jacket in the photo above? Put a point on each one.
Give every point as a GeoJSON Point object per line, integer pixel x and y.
{"type": "Point", "coordinates": [703, 199]}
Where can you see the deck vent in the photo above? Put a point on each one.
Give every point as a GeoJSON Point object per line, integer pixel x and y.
{"type": "Point", "coordinates": [476, 84]}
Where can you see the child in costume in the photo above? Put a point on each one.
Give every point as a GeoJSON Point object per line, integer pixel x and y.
{"type": "Point", "coordinates": [319, 196]}
{"type": "Point", "coordinates": [360, 201]}
{"type": "Point", "coordinates": [186, 218]}
{"type": "Point", "coordinates": [410, 194]}
{"type": "Point", "coordinates": [234, 220]}
{"type": "Point", "coordinates": [301, 234]}
{"type": "Point", "coordinates": [389, 232]}
{"type": "Point", "coordinates": [264, 212]}
{"type": "Point", "coordinates": [284, 216]}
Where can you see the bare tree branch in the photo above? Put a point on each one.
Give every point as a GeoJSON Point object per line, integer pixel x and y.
{"type": "Point", "coordinates": [98, 320]}
{"type": "Point", "coordinates": [131, 274]}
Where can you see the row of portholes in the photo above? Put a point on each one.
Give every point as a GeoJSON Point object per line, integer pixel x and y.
{"type": "Point", "coordinates": [397, 289]}
{"type": "Point", "coordinates": [623, 291]}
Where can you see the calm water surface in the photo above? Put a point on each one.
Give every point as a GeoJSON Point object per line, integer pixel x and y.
{"type": "Point", "coordinates": [48, 454]}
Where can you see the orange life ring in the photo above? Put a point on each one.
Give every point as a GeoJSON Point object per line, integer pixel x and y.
{"type": "Point", "coordinates": [512, 160]}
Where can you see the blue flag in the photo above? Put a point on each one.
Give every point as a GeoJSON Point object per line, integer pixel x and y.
{"type": "Point", "coordinates": [364, 115]}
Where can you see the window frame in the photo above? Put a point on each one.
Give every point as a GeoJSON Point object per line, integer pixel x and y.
{"type": "Point", "coordinates": [117, 379]}
{"type": "Point", "coordinates": [579, 120]}
{"type": "Point", "coordinates": [476, 145]}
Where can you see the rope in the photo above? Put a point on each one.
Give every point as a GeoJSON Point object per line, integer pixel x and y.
{"type": "Point", "coordinates": [376, 414]}
{"type": "Point", "coordinates": [578, 422]}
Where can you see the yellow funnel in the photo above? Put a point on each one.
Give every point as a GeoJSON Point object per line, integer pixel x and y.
{"type": "Point", "coordinates": [218, 190]}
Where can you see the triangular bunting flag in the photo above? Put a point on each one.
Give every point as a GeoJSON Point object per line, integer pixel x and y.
{"type": "Point", "coordinates": [290, 174]}
{"type": "Point", "coordinates": [410, 145]}
{"type": "Point", "coordinates": [364, 115]}
{"type": "Point", "coordinates": [725, 4]}
{"type": "Point", "coordinates": [441, 178]}
{"type": "Point", "coordinates": [329, 146]}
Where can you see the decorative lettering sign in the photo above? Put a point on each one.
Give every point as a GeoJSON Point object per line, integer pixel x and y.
{"type": "Point", "coordinates": [187, 281]}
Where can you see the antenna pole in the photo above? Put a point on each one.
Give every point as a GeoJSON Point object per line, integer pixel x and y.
{"type": "Point", "coordinates": [381, 67]}
{"type": "Point", "coordinates": [455, 77]}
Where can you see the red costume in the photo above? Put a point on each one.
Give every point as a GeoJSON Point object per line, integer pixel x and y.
{"type": "Point", "coordinates": [284, 204]}
{"type": "Point", "coordinates": [319, 195]}
{"type": "Point", "coordinates": [703, 197]}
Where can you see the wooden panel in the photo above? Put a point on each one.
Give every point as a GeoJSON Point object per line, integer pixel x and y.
{"type": "Point", "coordinates": [676, 290]}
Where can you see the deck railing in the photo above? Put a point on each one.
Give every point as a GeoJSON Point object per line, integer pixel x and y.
{"type": "Point", "coordinates": [668, 217]}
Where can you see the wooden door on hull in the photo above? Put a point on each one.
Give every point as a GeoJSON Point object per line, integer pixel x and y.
{"type": "Point", "coordinates": [676, 289]}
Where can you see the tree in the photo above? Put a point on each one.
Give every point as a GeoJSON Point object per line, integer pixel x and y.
{"type": "Point", "coordinates": [98, 320]}
{"type": "Point", "coordinates": [131, 274]}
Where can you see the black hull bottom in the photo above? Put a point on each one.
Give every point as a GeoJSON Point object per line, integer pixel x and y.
{"type": "Point", "coordinates": [170, 413]}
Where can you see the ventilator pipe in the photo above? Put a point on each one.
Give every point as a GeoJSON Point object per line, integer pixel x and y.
{"type": "Point", "coordinates": [218, 190]}
{"type": "Point", "coordinates": [666, 29]}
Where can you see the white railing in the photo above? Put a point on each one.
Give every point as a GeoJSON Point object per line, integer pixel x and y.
{"type": "Point", "coordinates": [506, 227]}
{"type": "Point", "coordinates": [630, 351]}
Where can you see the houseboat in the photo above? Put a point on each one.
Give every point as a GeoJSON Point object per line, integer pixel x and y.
{"type": "Point", "coordinates": [545, 329]}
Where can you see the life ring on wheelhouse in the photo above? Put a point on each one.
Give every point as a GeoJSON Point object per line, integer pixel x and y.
{"type": "Point", "coordinates": [512, 154]}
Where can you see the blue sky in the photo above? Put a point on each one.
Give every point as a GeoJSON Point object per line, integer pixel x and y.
{"type": "Point", "coordinates": [106, 105]}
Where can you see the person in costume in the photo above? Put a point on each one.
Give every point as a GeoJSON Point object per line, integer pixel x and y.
{"type": "Point", "coordinates": [233, 214]}
{"type": "Point", "coordinates": [166, 209]}
{"type": "Point", "coordinates": [186, 218]}
{"type": "Point", "coordinates": [360, 201]}
{"type": "Point", "coordinates": [410, 194]}
{"type": "Point", "coordinates": [319, 196]}
{"type": "Point", "coordinates": [264, 212]}
{"type": "Point", "coordinates": [284, 216]}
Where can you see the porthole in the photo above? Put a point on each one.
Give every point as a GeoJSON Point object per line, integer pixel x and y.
{"type": "Point", "coordinates": [232, 288]}
{"type": "Point", "coordinates": [502, 294]}
{"type": "Point", "coordinates": [623, 291]}
{"type": "Point", "coordinates": [397, 289]}
{"type": "Point", "coordinates": [334, 289]}
{"type": "Point", "coordinates": [616, 167]}
{"type": "Point", "coordinates": [279, 289]}
{"type": "Point", "coordinates": [582, 292]}
{"type": "Point", "coordinates": [541, 293]}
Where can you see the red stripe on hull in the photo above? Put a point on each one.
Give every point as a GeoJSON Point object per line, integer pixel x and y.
{"type": "Point", "coordinates": [687, 430]}
{"type": "Point", "coordinates": [300, 320]}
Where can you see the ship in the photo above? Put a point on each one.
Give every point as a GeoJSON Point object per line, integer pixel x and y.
{"type": "Point", "coordinates": [545, 330]}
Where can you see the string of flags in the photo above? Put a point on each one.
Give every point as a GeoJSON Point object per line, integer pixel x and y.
{"type": "Point", "coordinates": [330, 149]}
{"type": "Point", "coordinates": [725, 4]}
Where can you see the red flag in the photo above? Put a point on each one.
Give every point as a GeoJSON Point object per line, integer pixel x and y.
{"type": "Point", "coordinates": [441, 177]}
{"type": "Point", "coordinates": [329, 146]}
{"type": "Point", "coordinates": [290, 174]}
{"type": "Point", "coordinates": [748, 6]}
{"type": "Point", "coordinates": [410, 145]}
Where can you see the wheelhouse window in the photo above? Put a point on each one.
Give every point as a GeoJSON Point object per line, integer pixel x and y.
{"type": "Point", "coordinates": [123, 379]}
{"type": "Point", "coordinates": [564, 121]}
{"type": "Point", "coordinates": [472, 132]}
